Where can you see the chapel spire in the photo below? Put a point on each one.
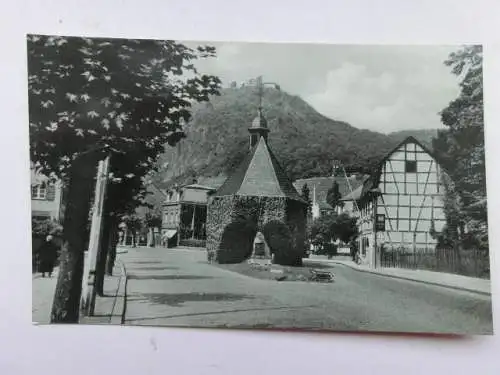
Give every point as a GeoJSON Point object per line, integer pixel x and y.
{"type": "Point", "coordinates": [259, 126]}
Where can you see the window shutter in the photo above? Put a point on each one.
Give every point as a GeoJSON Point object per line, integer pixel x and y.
{"type": "Point", "coordinates": [51, 192]}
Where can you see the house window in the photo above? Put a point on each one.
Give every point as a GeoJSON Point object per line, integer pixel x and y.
{"type": "Point", "coordinates": [39, 191]}
{"type": "Point", "coordinates": [410, 166]}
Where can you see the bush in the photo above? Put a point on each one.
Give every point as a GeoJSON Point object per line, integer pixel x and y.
{"type": "Point", "coordinates": [42, 228]}
{"type": "Point", "coordinates": [280, 241]}
{"type": "Point", "coordinates": [329, 249]}
{"type": "Point", "coordinates": [237, 241]}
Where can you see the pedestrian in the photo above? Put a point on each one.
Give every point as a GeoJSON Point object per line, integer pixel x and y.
{"type": "Point", "coordinates": [48, 256]}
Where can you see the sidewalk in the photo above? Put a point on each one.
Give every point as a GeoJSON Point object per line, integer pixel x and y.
{"type": "Point", "coordinates": [108, 309]}
{"type": "Point", "coordinates": [447, 280]}
{"type": "Point", "coordinates": [43, 290]}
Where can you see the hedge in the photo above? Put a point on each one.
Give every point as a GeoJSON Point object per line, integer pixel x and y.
{"type": "Point", "coordinates": [280, 240]}
{"type": "Point", "coordinates": [237, 241]}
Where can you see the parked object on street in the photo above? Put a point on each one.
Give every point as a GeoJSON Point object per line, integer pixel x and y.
{"type": "Point", "coordinates": [322, 276]}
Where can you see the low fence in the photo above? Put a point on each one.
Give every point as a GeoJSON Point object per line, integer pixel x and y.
{"type": "Point", "coordinates": [472, 262]}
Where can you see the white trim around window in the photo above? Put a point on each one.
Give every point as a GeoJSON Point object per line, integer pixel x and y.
{"type": "Point", "coordinates": [39, 191]}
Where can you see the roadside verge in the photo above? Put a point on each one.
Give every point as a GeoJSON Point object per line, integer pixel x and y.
{"type": "Point", "coordinates": [450, 281]}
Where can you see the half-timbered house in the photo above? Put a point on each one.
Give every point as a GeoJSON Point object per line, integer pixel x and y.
{"type": "Point", "coordinates": [401, 203]}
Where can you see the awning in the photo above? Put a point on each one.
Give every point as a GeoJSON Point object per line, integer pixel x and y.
{"type": "Point", "coordinates": [170, 233]}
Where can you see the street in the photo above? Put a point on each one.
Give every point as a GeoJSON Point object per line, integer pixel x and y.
{"type": "Point", "coordinates": [179, 288]}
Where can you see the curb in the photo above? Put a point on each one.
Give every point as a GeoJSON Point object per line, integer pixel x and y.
{"type": "Point", "coordinates": [407, 278]}
{"type": "Point", "coordinates": [120, 297]}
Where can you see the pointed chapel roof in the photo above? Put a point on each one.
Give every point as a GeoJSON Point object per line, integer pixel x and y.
{"type": "Point", "coordinates": [260, 174]}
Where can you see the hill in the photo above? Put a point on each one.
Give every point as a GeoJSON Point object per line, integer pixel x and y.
{"type": "Point", "coordinates": [304, 141]}
{"type": "Point", "coordinates": [423, 135]}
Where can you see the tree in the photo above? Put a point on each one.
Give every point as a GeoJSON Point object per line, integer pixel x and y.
{"type": "Point", "coordinates": [329, 228]}
{"type": "Point", "coordinates": [321, 230]}
{"type": "Point", "coordinates": [306, 195]}
{"type": "Point", "coordinates": [134, 224]}
{"type": "Point", "coordinates": [461, 149]}
{"type": "Point", "coordinates": [333, 196]}
{"type": "Point", "coordinates": [152, 220]}
{"type": "Point", "coordinates": [87, 96]}
{"type": "Point", "coordinates": [345, 228]}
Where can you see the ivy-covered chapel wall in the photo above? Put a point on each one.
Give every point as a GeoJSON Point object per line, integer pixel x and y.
{"type": "Point", "coordinates": [296, 219]}
{"type": "Point", "coordinates": [219, 215]}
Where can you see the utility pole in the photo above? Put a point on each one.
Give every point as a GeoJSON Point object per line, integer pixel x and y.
{"type": "Point", "coordinates": [89, 292]}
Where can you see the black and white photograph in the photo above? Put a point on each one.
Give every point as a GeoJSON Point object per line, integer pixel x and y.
{"type": "Point", "coordinates": [245, 185]}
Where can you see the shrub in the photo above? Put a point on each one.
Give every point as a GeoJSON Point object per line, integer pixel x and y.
{"type": "Point", "coordinates": [280, 241]}
{"type": "Point", "coordinates": [237, 241]}
{"type": "Point", "coordinates": [44, 227]}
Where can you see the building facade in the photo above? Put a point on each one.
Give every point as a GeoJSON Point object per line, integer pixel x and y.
{"type": "Point", "coordinates": [185, 215]}
{"type": "Point", "coordinates": [400, 204]}
{"type": "Point", "coordinates": [46, 198]}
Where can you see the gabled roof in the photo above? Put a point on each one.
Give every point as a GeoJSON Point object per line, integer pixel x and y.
{"type": "Point", "coordinates": [260, 174]}
{"type": "Point", "coordinates": [199, 187]}
{"type": "Point", "coordinates": [355, 195]}
{"type": "Point", "coordinates": [323, 184]}
{"type": "Point", "coordinates": [373, 181]}
{"type": "Point", "coordinates": [409, 139]}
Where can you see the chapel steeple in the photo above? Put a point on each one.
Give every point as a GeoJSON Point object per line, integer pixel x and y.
{"type": "Point", "coordinates": [258, 129]}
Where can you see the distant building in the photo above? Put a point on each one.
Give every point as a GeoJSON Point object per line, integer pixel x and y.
{"type": "Point", "coordinates": [318, 190]}
{"type": "Point", "coordinates": [400, 203]}
{"type": "Point", "coordinates": [46, 198]}
{"type": "Point", "coordinates": [185, 215]}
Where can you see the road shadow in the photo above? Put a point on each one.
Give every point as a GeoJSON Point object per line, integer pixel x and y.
{"type": "Point", "coordinates": [153, 268]}
{"type": "Point", "coordinates": [148, 262]}
{"type": "Point", "coordinates": [178, 299]}
{"type": "Point", "coordinates": [168, 277]}
{"type": "Point", "coordinates": [276, 308]}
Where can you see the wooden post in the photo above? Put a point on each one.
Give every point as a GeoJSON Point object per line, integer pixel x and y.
{"type": "Point", "coordinates": [89, 292]}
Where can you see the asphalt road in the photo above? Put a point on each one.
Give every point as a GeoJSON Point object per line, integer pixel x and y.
{"type": "Point", "coordinates": [178, 288]}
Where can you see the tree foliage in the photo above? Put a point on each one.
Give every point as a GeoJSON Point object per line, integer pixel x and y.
{"type": "Point", "coordinates": [328, 228]}
{"type": "Point", "coordinates": [131, 94]}
{"type": "Point", "coordinates": [461, 148]}
{"type": "Point", "coordinates": [333, 195]}
{"type": "Point", "coordinates": [152, 220]}
{"type": "Point", "coordinates": [133, 222]}
{"type": "Point", "coordinates": [306, 195]}
{"type": "Point", "coordinates": [42, 228]}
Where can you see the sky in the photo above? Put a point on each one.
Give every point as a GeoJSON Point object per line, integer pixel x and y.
{"type": "Point", "coordinates": [381, 88]}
